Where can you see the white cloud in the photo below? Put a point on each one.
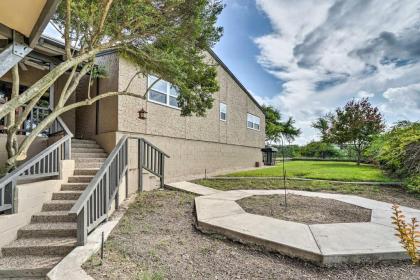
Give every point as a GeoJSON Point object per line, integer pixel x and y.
{"type": "Point", "coordinates": [365, 94]}
{"type": "Point", "coordinates": [329, 51]}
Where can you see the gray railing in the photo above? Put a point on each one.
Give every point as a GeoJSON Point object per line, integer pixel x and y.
{"type": "Point", "coordinates": [93, 205]}
{"type": "Point", "coordinates": [45, 164]}
{"type": "Point", "coordinates": [152, 159]}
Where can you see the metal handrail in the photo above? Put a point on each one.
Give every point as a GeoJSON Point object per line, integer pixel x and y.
{"type": "Point", "coordinates": [44, 164]}
{"type": "Point", "coordinates": [77, 207]}
{"type": "Point", "coordinates": [93, 205]}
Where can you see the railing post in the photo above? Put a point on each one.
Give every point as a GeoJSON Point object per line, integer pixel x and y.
{"type": "Point", "coordinates": [107, 192]}
{"type": "Point", "coordinates": [162, 170]}
{"type": "Point", "coordinates": [82, 227]}
{"type": "Point", "coordinates": [67, 149]}
{"type": "Point", "coordinates": [117, 199]}
{"type": "Point", "coordinates": [140, 163]}
{"type": "Point", "coordinates": [126, 166]}
{"type": "Point", "coordinates": [9, 197]}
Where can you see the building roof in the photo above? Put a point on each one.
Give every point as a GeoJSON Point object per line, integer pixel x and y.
{"type": "Point", "coordinates": [223, 65]}
{"type": "Point", "coordinates": [27, 17]}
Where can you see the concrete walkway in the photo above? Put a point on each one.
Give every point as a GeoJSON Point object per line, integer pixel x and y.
{"type": "Point", "coordinates": [324, 244]}
{"type": "Point", "coordinates": [191, 188]}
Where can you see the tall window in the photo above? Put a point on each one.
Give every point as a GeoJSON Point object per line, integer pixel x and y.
{"type": "Point", "coordinates": [223, 111]}
{"type": "Point", "coordinates": [252, 122]}
{"type": "Point", "coordinates": [163, 92]}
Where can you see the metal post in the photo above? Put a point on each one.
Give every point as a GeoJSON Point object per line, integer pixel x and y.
{"type": "Point", "coordinates": [140, 163]}
{"type": "Point", "coordinates": [162, 162]}
{"type": "Point", "coordinates": [82, 227]}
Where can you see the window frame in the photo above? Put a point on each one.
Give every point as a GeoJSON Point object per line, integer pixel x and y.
{"type": "Point", "coordinates": [252, 120]}
{"type": "Point", "coordinates": [167, 93]}
{"type": "Point", "coordinates": [220, 111]}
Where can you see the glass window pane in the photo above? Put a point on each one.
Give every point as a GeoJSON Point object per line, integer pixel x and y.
{"type": "Point", "coordinates": [173, 101]}
{"type": "Point", "coordinates": [160, 86]}
{"type": "Point", "coordinates": [249, 124]}
{"type": "Point", "coordinates": [222, 116]}
{"type": "Point", "coordinates": [257, 121]}
{"type": "Point", "coordinates": [257, 126]}
{"type": "Point", "coordinates": [157, 96]}
{"type": "Point", "coordinates": [174, 91]}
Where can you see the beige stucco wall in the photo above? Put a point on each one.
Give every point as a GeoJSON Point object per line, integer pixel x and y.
{"type": "Point", "coordinates": [166, 121]}
{"type": "Point", "coordinates": [30, 198]}
{"type": "Point", "coordinates": [195, 144]}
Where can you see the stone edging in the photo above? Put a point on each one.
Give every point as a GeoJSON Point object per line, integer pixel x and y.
{"type": "Point", "coordinates": [398, 184]}
{"type": "Point", "coordinates": [71, 266]}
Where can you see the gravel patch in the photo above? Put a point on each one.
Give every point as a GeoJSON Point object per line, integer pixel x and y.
{"type": "Point", "coordinates": [303, 209]}
{"type": "Point", "coordinates": [157, 239]}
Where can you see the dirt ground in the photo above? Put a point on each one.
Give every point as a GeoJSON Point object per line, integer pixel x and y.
{"type": "Point", "coordinates": [303, 209]}
{"type": "Point", "coordinates": [157, 239]}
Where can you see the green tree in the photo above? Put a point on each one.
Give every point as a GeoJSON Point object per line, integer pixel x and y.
{"type": "Point", "coordinates": [289, 131]}
{"type": "Point", "coordinates": [273, 124]}
{"type": "Point", "coordinates": [356, 124]}
{"type": "Point", "coordinates": [167, 38]}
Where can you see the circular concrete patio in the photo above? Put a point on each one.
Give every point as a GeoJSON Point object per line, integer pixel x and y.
{"type": "Point", "coordinates": [323, 244]}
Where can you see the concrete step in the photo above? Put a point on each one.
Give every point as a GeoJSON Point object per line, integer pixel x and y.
{"type": "Point", "coordinates": [88, 155]}
{"type": "Point", "coordinates": [88, 160]}
{"type": "Point", "coordinates": [74, 186]}
{"type": "Point", "coordinates": [52, 217]}
{"type": "Point", "coordinates": [58, 205]}
{"type": "Point", "coordinates": [40, 246]}
{"type": "Point", "coordinates": [86, 171]}
{"type": "Point", "coordinates": [80, 179]}
{"type": "Point", "coordinates": [66, 195]}
{"type": "Point", "coordinates": [78, 141]}
{"type": "Point", "coordinates": [40, 230]}
{"type": "Point", "coordinates": [84, 145]}
{"type": "Point", "coordinates": [78, 150]}
{"type": "Point", "coordinates": [89, 165]}
{"type": "Point", "coordinates": [27, 266]}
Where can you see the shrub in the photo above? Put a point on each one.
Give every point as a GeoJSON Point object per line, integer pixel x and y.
{"type": "Point", "coordinates": [408, 233]}
{"type": "Point", "coordinates": [398, 152]}
{"type": "Point", "coordinates": [321, 150]}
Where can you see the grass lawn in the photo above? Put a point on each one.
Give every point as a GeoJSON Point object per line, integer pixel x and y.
{"type": "Point", "coordinates": [328, 170]}
{"type": "Point", "coordinates": [388, 194]}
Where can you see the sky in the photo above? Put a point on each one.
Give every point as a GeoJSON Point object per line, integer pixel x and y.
{"type": "Point", "coordinates": [308, 57]}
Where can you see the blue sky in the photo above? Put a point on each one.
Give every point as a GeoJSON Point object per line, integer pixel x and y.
{"type": "Point", "coordinates": [307, 57]}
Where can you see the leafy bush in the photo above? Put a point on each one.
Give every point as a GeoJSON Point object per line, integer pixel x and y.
{"type": "Point", "coordinates": [320, 150]}
{"type": "Point", "coordinates": [398, 152]}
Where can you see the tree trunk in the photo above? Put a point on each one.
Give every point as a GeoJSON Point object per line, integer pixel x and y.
{"type": "Point", "coordinates": [12, 144]}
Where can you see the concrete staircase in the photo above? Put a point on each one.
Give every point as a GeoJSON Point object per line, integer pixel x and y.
{"type": "Point", "coordinates": [51, 235]}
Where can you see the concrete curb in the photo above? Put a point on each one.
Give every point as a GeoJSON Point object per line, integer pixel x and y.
{"type": "Point", "coordinates": [397, 184]}
{"type": "Point", "coordinates": [323, 244]}
{"type": "Point", "coordinates": [71, 266]}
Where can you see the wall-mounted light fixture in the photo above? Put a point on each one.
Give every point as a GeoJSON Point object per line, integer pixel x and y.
{"type": "Point", "coordinates": [142, 114]}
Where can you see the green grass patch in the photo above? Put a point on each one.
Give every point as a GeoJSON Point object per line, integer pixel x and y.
{"type": "Point", "coordinates": [269, 184]}
{"type": "Point", "coordinates": [326, 170]}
